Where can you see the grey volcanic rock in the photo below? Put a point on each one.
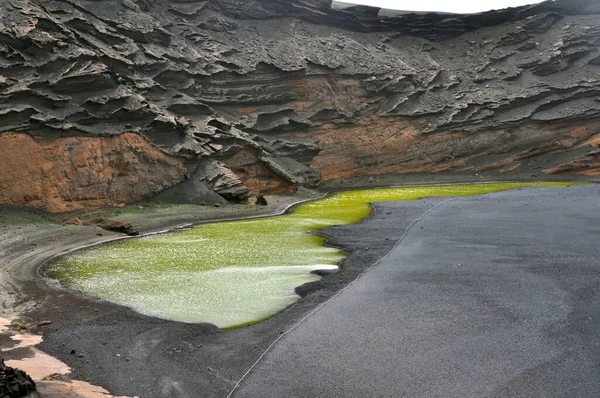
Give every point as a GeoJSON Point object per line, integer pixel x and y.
{"type": "Point", "coordinates": [14, 383]}
{"type": "Point", "coordinates": [211, 183]}
{"type": "Point", "coordinates": [220, 179]}
{"type": "Point", "coordinates": [296, 79]}
{"type": "Point", "coordinates": [293, 171]}
{"type": "Point", "coordinates": [192, 191]}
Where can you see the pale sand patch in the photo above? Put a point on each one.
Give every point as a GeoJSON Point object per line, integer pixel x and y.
{"type": "Point", "coordinates": [74, 389]}
{"type": "Point", "coordinates": [25, 340]}
{"type": "Point", "coordinates": [42, 367]}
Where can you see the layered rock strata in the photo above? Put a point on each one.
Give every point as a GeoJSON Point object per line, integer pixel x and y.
{"type": "Point", "coordinates": [279, 93]}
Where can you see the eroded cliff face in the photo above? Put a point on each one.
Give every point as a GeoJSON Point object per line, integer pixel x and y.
{"type": "Point", "coordinates": [74, 172]}
{"type": "Point", "coordinates": [279, 93]}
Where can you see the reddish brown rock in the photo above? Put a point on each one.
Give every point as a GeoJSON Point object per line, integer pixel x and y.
{"type": "Point", "coordinates": [72, 221]}
{"type": "Point", "coordinates": [390, 145]}
{"type": "Point", "coordinates": [256, 175]}
{"type": "Point", "coordinates": [589, 166]}
{"type": "Point", "coordinates": [69, 173]}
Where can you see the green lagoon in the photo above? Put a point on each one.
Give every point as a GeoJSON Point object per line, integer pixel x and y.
{"type": "Point", "coordinates": [232, 273]}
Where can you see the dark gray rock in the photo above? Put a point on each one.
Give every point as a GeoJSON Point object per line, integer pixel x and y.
{"type": "Point", "coordinates": [14, 383]}
{"type": "Point", "coordinates": [192, 191]}
{"type": "Point", "coordinates": [260, 200]}
{"type": "Point", "coordinates": [292, 171]}
{"type": "Point", "coordinates": [211, 183]}
{"type": "Point", "coordinates": [220, 179]}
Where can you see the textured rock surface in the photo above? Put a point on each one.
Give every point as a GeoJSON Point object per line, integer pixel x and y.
{"type": "Point", "coordinates": [73, 172]}
{"type": "Point", "coordinates": [113, 225]}
{"type": "Point", "coordinates": [14, 383]}
{"type": "Point", "coordinates": [211, 182]}
{"type": "Point", "coordinates": [347, 92]}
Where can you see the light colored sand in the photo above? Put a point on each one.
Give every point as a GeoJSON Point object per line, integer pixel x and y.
{"type": "Point", "coordinates": [43, 368]}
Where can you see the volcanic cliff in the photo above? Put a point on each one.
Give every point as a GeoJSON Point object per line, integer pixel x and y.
{"type": "Point", "coordinates": [111, 101]}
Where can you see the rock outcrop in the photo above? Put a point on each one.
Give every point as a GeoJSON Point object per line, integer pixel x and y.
{"type": "Point", "coordinates": [211, 183]}
{"type": "Point", "coordinates": [282, 93]}
{"type": "Point", "coordinates": [73, 172]}
{"type": "Point", "coordinates": [14, 383]}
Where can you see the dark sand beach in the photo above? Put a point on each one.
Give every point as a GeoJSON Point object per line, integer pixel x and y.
{"type": "Point", "coordinates": [130, 354]}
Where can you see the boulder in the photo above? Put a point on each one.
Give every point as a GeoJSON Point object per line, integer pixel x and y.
{"type": "Point", "coordinates": [14, 383]}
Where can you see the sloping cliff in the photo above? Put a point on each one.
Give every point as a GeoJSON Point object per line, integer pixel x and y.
{"type": "Point", "coordinates": [266, 95]}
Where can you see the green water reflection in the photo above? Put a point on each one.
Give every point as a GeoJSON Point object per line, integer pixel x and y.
{"type": "Point", "coordinates": [231, 273]}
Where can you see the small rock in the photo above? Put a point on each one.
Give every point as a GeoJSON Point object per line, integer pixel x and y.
{"type": "Point", "coordinates": [15, 382]}
{"type": "Point", "coordinates": [260, 200]}
{"type": "Point", "coordinates": [113, 225]}
{"type": "Point", "coordinates": [131, 5]}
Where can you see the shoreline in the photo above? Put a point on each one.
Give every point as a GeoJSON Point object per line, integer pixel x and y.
{"type": "Point", "coordinates": [171, 229]}
{"type": "Point", "coordinates": [28, 289]}
{"type": "Point", "coordinates": [37, 288]}
{"type": "Point", "coordinates": [281, 210]}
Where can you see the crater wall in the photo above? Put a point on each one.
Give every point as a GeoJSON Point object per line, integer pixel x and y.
{"type": "Point", "coordinates": [274, 94]}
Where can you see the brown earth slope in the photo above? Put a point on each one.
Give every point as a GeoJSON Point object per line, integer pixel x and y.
{"type": "Point", "coordinates": [74, 172]}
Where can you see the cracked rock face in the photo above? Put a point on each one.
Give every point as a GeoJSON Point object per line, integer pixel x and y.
{"type": "Point", "coordinates": [283, 93]}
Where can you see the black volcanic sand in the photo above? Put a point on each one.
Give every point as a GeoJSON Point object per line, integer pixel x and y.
{"type": "Point", "coordinates": [486, 296]}
{"type": "Point", "coordinates": [131, 354]}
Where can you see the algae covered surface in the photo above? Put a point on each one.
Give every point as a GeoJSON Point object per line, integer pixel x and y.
{"type": "Point", "coordinates": [237, 272]}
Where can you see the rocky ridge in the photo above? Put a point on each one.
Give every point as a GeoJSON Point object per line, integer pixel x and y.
{"type": "Point", "coordinates": [230, 97]}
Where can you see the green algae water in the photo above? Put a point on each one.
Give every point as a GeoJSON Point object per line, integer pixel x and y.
{"type": "Point", "coordinates": [232, 273]}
